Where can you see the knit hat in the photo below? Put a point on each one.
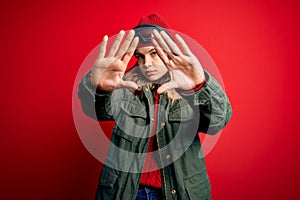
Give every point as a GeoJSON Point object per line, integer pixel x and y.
{"type": "Point", "coordinates": [145, 27]}
{"type": "Point", "coordinates": [154, 19]}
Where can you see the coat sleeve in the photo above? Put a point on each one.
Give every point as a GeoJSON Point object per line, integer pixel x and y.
{"type": "Point", "coordinates": [94, 103]}
{"type": "Point", "coordinates": [213, 105]}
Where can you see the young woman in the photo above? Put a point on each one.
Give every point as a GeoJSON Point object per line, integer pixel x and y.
{"type": "Point", "coordinates": [159, 106]}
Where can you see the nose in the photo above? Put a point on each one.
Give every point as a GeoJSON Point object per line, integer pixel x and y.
{"type": "Point", "coordinates": [147, 61]}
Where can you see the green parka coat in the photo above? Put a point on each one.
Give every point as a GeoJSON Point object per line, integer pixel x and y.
{"type": "Point", "coordinates": [175, 125]}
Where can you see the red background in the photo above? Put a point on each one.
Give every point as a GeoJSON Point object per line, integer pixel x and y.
{"type": "Point", "coordinates": [254, 44]}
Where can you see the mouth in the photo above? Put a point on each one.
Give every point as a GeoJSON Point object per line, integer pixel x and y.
{"type": "Point", "coordinates": [150, 72]}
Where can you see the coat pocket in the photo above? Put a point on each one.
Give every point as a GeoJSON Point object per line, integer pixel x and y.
{"type": "Point", "coordinates": [133, 109]}
{"type": "Point", "coordinates": [108, 177]}
{"type": "Point", "coordinates": [198, 186]}
{"type": "Point", "coordinates": [132, 119]}
{"type": "Point", "coordinates": [181, 114]}
{"type": "Point", "coordinates": [182, 126]}
{"type": "Point", "coordinates": [108, 184]}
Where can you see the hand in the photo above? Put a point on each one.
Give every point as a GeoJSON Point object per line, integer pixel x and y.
{"type": "Point", "coordinates": [108, 71]}
{"type": "Point", "coordinates": [185, 69]}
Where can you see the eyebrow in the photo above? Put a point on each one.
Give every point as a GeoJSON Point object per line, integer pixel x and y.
{"type": "Point", "coordinates": [137, 52]}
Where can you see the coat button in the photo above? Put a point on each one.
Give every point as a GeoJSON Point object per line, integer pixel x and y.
{"type": "Point", "coordinates": [168, 156]}
{"type": "Point", "coordinates": [173, 191]}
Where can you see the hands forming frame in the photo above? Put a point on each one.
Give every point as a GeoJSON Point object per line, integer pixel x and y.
{"type": "Point", "coordinates": [184, 67]}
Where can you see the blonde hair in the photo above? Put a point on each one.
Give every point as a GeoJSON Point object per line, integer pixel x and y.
{"type": "Point", "coordinates": [135, 75]}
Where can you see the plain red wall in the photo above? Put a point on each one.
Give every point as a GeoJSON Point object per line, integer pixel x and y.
{"type": "Point", "coordinates": [255, 45]}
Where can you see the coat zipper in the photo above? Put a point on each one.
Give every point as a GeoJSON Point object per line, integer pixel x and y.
{"type": "Point", "coordinates": [155, 113]}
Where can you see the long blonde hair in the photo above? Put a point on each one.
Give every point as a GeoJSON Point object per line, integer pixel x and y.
{"type": "Point", "coordinates": [135, 75]}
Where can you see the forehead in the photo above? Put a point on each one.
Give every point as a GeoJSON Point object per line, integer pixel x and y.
{"type": "Point", "coordinates": [144, 50]}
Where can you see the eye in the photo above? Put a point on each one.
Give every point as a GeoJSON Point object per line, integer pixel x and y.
{"type": "Point", "coordinates": [139, 56]}
{"type": "Point", "coordinates": [153, 53]}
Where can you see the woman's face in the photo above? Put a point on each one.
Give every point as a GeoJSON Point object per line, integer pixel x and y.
{"type": "Point", "coordinates": [150, 64]}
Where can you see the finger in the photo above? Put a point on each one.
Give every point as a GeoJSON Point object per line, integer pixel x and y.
{"type": "Point", "coordinates": [161, 42]}
{"type": "Point", "coordinates": [160, 51]}
{"type": "Point", "coordinates": [186, 50]}
{"type": "Point", "coordinates": [116, 44]}
{"type": "Point", "coordinates": [127, 84]}
{"type": "Point", "coordinates": [130, 50]}
{"type": "Point", "coordinates": [167, 86]}
{"type": "Point", "coordinates": [175, 49]}
{"type": "Point", "coordinates": [102, 48]}
{"type": "Point", "coordinates": [124, 47]}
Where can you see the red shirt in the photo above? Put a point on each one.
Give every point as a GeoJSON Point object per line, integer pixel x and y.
{"type": "Point", "coordinates": [149, 177]}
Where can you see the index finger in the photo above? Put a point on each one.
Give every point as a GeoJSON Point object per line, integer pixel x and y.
{"type": "Point", "coordinates": [161, 42]}
{"type": "Point", "coordinates": [128, 54]}
{"type": "Point", "coordinates": [124, 47]}
{"type": "Point", "coordinates": [175, 49]}
{"type": "Point", "coordinates": [115, 46]}
{"type": "Point", "coordinates": [160, 51]}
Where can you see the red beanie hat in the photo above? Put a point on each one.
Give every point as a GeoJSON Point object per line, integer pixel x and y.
{"type": "Point", "coordinates": [154, 19]}
{"type": "Point", "coordinates": [145, 27]}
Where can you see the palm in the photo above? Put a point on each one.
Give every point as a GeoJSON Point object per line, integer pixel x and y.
{"type": "Point", "coordinates": [108, 71]}
{"type": "Point", "coordinates": [186, 71]}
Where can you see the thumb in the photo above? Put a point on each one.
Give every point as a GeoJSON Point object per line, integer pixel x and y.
{"type": "Point", "coordinates": [127, 84]}
{"type": "Point", "coordinates": [167, 86]}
